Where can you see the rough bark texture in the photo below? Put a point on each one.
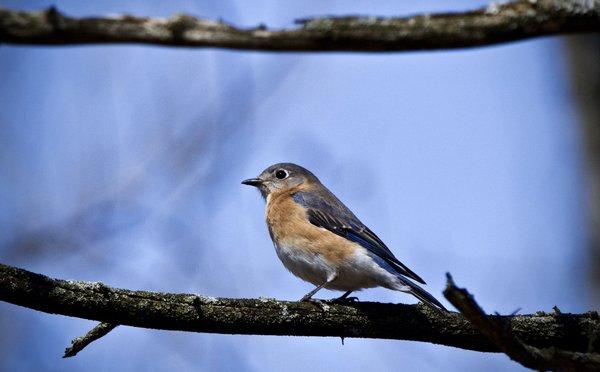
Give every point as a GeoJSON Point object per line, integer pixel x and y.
{"type": "Point", "coordinates": [195, 313]}
{"type": "Point", "coordinates": [497, 23]}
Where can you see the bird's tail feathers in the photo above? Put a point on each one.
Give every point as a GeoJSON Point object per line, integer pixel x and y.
{"type": "Point", "coordinates": [421, 294]}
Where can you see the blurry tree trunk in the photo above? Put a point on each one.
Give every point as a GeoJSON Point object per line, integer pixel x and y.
{"type": "Point", "coordinates": [585, 71]}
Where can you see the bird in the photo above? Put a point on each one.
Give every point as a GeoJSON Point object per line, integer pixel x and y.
{"type": "Point", "coordinates": [320, 240]}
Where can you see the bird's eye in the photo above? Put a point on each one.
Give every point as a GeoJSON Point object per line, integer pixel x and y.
{"type": "Point", "coordinates": [281, 174]}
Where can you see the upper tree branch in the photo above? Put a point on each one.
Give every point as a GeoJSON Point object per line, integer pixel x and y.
{"type": "Point", "coordinates": [194, 313]}
{"type": "Point", "coordinates": [495, 24]}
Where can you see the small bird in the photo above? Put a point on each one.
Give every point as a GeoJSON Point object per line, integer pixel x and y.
{"type": "Point", "coordinates": [319, 240]}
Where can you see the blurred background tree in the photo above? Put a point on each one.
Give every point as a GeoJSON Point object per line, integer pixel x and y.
{"type": "Point", "coordinates": [584, 54]}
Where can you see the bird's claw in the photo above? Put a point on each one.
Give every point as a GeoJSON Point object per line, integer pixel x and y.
{"type": "Point", "coordinates": [318, 303]}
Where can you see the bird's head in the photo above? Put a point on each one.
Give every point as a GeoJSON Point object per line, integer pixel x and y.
{"type": "Point", "coordinates": [281, 177]}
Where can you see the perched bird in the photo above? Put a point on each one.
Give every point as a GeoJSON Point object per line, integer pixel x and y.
{"type": "Point", "coordinates": [322, 242]}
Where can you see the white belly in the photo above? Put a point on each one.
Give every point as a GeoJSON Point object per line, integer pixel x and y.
{"type": "Point", "coordinates": [354, 273]}
{"type": "Point", "coordinates": [307, 266]}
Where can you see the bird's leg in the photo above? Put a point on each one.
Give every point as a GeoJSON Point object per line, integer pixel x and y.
{"type": "Point", "coordinates": [344, 298]}
{"type": "Point", "coordinates": [308, 296]}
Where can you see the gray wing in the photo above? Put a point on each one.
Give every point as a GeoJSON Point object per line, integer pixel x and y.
{"type": "Point", "coordinates": [326, 211]}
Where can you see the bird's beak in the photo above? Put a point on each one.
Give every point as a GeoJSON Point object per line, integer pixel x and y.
{"type": "Point", "coordinates": [253, 182]}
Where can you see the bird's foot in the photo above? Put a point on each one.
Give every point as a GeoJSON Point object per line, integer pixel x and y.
{"type": "Point", "coordinates": [318, 303]}
{"type": "Point", "coordinates": [344, 300]}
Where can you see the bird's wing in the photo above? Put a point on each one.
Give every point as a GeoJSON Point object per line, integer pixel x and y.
{"type": "Point", "coordinates": [326, 211]}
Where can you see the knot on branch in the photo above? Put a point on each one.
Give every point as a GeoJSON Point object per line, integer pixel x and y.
{"type": "Point", "coordinates": [55, 19]}
{"type": "Point", "coordinates": [179, 23]}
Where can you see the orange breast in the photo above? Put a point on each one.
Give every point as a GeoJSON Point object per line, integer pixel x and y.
{"type": "Point", "coordinates": [288, 225]}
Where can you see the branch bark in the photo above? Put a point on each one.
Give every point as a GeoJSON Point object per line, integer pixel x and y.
{"type": "Point", "coordinates": [195, 313]}
{"type": "Point", "coordinates": [498, 23]}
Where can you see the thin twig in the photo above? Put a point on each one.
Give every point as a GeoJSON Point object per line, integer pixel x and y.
{"type": "Point", "coordinates": [95, 333]}
{"type": "Point", "coordinates": [505, 340]}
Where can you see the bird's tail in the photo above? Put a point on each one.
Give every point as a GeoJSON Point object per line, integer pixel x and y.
{"type": "Point", "coordinates": [410, 287]}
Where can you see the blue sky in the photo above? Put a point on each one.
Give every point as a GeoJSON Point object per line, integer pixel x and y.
{"type": "Point", "coordinates": [122, 164]}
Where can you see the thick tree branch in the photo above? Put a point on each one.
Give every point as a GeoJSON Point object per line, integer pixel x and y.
{"type": "Point", "coordinates": [540, 359]}
{"type": "Point", "coordinates": [498, 23]}
{"type": "Point", "coordinates": [195, 313]}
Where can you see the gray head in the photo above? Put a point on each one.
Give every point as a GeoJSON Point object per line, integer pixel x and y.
{"type": "Point", "coordinates": [281, 176]}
